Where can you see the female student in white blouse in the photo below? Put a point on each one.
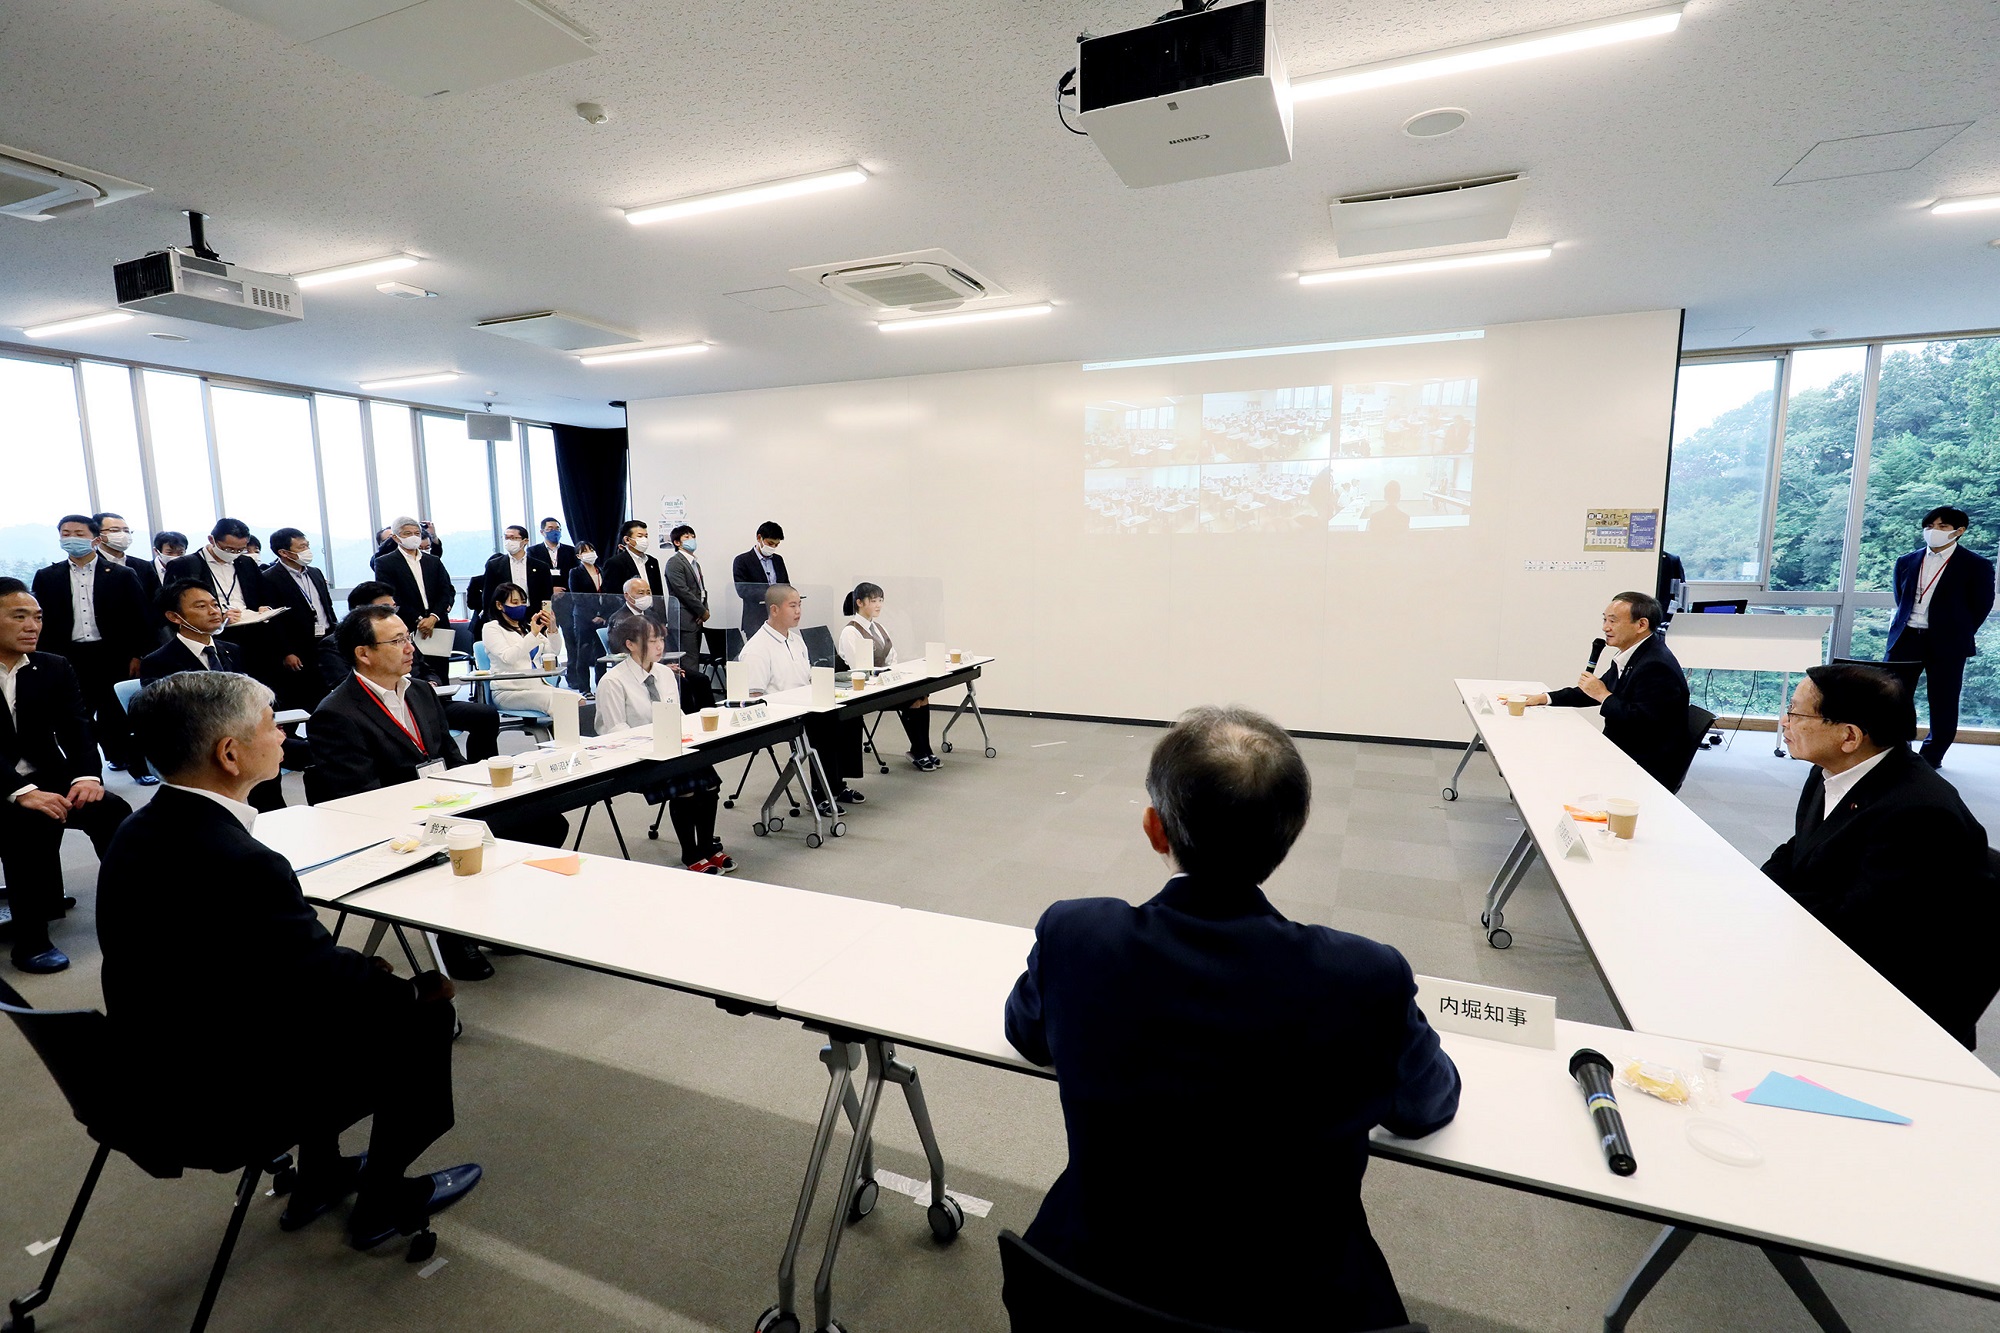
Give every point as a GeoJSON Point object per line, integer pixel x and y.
{"type": "Point", "coordinates": [519, 638]}
{"type": "Point", "coordinates": [625, 700]}
{"type": "Point", "coordinates": [865, 645]}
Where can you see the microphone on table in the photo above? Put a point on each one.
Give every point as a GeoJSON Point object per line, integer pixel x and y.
{"type": "Point", "coordinates": [1593, 1074]}
{"type": "Point", "coordinates": [1596, 651]}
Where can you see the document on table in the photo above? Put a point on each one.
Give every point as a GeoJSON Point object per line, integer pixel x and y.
{"type": "Point", "coordinates": [437, 643]}
{"type": "Point", "coordinates": [371, 866]}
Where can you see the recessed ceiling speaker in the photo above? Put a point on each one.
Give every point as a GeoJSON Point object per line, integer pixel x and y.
{"type": "Point", "coordinates": [1435, 124]}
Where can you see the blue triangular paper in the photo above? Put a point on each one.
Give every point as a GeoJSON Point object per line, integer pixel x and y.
{"type": "Point", "coordinates": [1795, 1094]}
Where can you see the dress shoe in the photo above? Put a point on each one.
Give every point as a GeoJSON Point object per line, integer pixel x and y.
{"type": "Point", "coordinates": [311, 1200]}
{"type": "Point", "coordinates": [146, 779]}
{"type": "Point", "coordinates": [41, 962]}
{"type": "Point", "coordinates": [462, 959]}
{"type": "Point", "coordinates": [412, 1203]}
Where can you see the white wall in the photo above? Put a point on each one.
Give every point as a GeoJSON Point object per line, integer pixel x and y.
{"type": "Point", "coordinates": [962, 495]}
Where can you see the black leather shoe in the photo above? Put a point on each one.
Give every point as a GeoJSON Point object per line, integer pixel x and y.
{"type": "Point", "coordinates": [378, 1222]}
{"type": "Point", "coordinates": [849, 796]}
{"type": "Point", "coordinates": [312, 1200]}
{"type": "Point", "coordinates": [462, 959]}
{"type": "Point", "coordinates": [42, 962]}
{"type": "Point", "coordinates": [146, 779]}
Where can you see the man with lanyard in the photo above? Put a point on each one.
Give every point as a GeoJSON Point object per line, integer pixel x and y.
{"type": "Point", "coordinates": [775, 658]}
{"type": "Point", "coordinates": [292, 581]}
{"type": "Point", "coordinates": [225, 567]}
{"type": "Point", "coordinates": [1943, 595]}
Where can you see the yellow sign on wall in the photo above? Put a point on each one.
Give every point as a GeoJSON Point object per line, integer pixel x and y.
{"type": "Point", "coordinates": [1621, 529]}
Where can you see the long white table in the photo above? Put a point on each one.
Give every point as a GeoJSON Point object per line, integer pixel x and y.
{"type": "Point", "coordinates": [1912, 1201]}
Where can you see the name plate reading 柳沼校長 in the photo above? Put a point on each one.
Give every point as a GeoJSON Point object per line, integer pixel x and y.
{"type": "Point", "coordinates": [1570, 844]}
{"type": "Point", "coordinates": [1516, 1016]}
{"type": "Point", "coordinates": [561, 764]}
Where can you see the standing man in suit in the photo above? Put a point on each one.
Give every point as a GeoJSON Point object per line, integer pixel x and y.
{"type": "Point", "coordinates": [196, 619]}
{"type": "Point", "coordinates": [380, 727]}
{"type": "Point", "coordinates": [168, 547]}
{"type": "Point", "coordinates": [48, 765]}
{"type": "Point", "coordinates": [226, 568]}
{"type": "Point", "coordinates": [521, 566]}
{"type": "Point", "coordinates": [292, 582]}
{"type": "Point", "coordinates": [1640, 689]}
{"type": "Point", "coordinates": [1886, 855]}
{"type": "Point", "coordinates": [755, 571]}
{"type": "Point", "coordinates": [632, 559]}
{"type": "Point", "coordinates": [1943, 595]}
{"type": "Point", "coordinates": [296, 1038]}
{"type": "Point", "coordinates": [556, 553]}
{"type": "Point", "coordinates": [690, 589]}
{"type": "Point", "coordinates": [114, 539]}
{"type": "Point", "coordinates": [95, 616]}
{"type": "Point", "coordinates": [424, 591]}
{"type": "Point", "coordinates": [1133, 1005]}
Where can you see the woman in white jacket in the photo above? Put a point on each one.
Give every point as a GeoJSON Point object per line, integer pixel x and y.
{"type": "Point", "coordinates": [866, 646]}
{"type": "Point", "coordinates": [517, 638]}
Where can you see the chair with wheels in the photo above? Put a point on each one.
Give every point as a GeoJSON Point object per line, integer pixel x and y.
{"type": "Point", "coordinates": [1040, 1294]}
{"type": "Point", "coordinates": [126, 691]}
{"type": "Point", "coordinates": [82, 1055]}
{"type": "Point", "coordinates": [526, 719]}
{"type": "Point", "coordinates": [1699, 720]}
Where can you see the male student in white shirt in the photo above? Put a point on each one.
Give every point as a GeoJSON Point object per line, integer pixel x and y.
{"type": "Point", "coordinates": [775, 658]}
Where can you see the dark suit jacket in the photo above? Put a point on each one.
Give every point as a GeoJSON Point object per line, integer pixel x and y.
{"type": "Point", "coordinates": [295, 628]}
{"type": "Point", "coordinates": [51, 729]}
{"type": "Point", "coordinates": [172, 658]}
{"type": "Point", "coordinates": [1899, 872]}
{"type": "Point", "coordinates": [564, 561]}
{"type": "Point", "coordinates": [148, 575]}
{"type": "Point", "coordinates": [116, 597]}
{"type": "Point", "coordinates": [1204, 1017]}
{"type": "Point", "coordinates": [1959, 603]}
{"type": "Point", "coordinates": [249, 576]}
{"type": "Point", "coordinates": [257, 1045]}
{"type": "Point", "coordinates": [1671, 570]}
{"type": "Point", "coordinates": [621, 569]}
{"type": "Point", "coordinates": [357, 747]}
{"type": "Point", "coordinates": [693, 597]}
{"type": "Point", "coordinates": [413, 603]}
{"type": "Point", "coordinates": [499, 570]}
{"type": "Point", "coordinates": [1646, 715]}
{"type": "Point", "coordinates": [747, 571]}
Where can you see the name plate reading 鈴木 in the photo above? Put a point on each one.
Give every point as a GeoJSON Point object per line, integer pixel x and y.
{"type": "Point", "coordinates": [1520, 1017]}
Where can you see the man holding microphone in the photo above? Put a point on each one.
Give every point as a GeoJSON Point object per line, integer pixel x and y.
{"type": "Point", "coordinates": [1639, 688]}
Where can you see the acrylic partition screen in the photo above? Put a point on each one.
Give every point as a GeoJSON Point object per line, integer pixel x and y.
{"type": "Point", "coordinates": [1330, 535]}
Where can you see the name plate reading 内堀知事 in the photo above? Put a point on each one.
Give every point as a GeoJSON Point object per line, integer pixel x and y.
{"type": "Point", "coordinates": [1516, 1016]}
{"type": "Point", "coordinates": [1569, 840]}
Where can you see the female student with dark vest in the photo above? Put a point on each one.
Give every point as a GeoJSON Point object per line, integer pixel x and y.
{"type": "Point", "coordinates": [866, 646]}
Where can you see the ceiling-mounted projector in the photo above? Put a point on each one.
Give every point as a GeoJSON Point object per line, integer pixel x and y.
{"type": "Point", "coordinates": [195, 284]}
{"type": "Point", "coordinates": [1200, 92]}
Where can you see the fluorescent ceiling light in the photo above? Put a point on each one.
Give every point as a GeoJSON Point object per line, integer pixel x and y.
{"type": "Point", "coordinates": [1486, 55]}
{"type": "Point", "coordinates": [410, 381]}
{"type": "Point", "coordinates": [365, 268]}
{"type": "Point", "coordinates": [1352, 344]}
{"type": "Point", "coordinates": [1479, 260]}
{"type": "Point", "coordinates": [1981, 203]}
{"type": "Point", "coordinates": [969, 317]}
{"type": "Point", "coordinates": [79, 324]}
{"type": "Point", "coordinates": [817, 183]}
{"type": "Point", "coordinates": [642, 354]}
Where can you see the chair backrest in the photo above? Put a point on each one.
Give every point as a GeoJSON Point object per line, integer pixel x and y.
{"type": "Point", "coordinates": [732, 642]}
{"type": "Point", "coordinates": [1699, 720]}
{"type": "Point", "coordinates": [819, 645]}
{"type": "Point", "coordinates": [1040, 1294]}
{"type": "Point", "coordinates": [75, 1047]}
{"type": "Point", "coordinates": [127, 691]}
{"type": "Point", "coordinates": [604, 637]}
{"type": "Point", "coordinates": [480, 658]}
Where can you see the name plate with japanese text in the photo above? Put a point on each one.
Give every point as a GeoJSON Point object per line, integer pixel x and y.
{"type": "Point", "coordinates": [1520, 1017]}
{"type": "Point", "coordinates": [1569, 840]}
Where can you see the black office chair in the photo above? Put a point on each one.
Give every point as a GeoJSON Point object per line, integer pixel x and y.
{"type": "Point", "coordinates": [82, 1054]}
{"type": "Point", "coordinates": [1040, 1295]}
{"type": "Point", "coordinates": [1699, 721]}
{"type": "Point", "coordinates": [819, 646]}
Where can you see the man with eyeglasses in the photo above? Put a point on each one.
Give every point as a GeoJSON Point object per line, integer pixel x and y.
{"type": "Point", "coordinates": [1639, 688]}
{"type": "Point", "coordinates": [1886, 855]}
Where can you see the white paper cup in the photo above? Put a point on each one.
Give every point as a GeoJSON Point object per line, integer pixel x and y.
{"type": "Point", "coordinates": [711, 718]}
{"type": "Point", "coordinates": [1621, 816]}
{"type": "Point", "coordinates": [500, 770]}
{"type": "Point", "coordinates": [467, 849]}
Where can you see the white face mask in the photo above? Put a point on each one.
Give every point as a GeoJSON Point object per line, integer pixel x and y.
{"type": "Point", "coordinates": [409, 543]}
{"type": "Point", "coordinates": [641, 603]}
{"type": "Point", "coordinates": [222, 557]}
{"type": "Point", "coordinates": [513, 546]}
{"type": "Point", "coordinates": [300, 558]}
{"type": "Point", "coordinates": [1938, 538]}
{"type": "Point", "coordinates": [765, 548]}
{"type": "Point", "coordinates": [118, 541]}
{"type": "Point", "coordinates": [588, 557]}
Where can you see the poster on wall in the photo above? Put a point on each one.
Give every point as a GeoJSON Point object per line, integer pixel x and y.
{"type": "Point", "coordinates": [673, 513]}
{"type": "Point", "coordinates": [1620, 529]}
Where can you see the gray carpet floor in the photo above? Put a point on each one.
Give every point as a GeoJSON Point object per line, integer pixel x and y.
{"type": "Point", "coordinates": [643, 1148]}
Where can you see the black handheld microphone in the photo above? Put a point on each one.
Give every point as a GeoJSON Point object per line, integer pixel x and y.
{"type": "Point", "coordinates": [1593, 1074]}
{"type": "Point", "coordinates": [1596, 651]}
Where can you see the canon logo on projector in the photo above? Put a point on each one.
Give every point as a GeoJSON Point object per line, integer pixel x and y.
{"type": "Point", "coordinates": [1189, 139]}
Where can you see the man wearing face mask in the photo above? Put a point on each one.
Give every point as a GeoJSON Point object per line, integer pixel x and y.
{"type": "Point", "coordinates": [1943, 595]}
{"type": "Point", "coordinates": [690, 590]}
{"type": "Point", "coordinates": [554, 552]}
{"type": "Point", "coordinates": [640, 601]}
{"type": "Point", "coordinates": [94, 614]}
{"type": "Point", "coordinates": [633, 559]}
{"type": "Point", "coordinates": [114, 539]}
{"type": "Point", "coordinates": [423, 588]}
{"type": "Point", "coordinates": [756, 571]}
{"type": "Point", "coordinates": [520, 566]}
{"type": "Point", "coordinates": [304, 630]}
{"type": "Point", "coordinates": [196, 618]}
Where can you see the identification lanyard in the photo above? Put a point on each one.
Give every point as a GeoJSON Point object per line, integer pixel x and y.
{"type": "Point", "coordinates": [1925, 590]}
{"type": "Point", "coordinates": [415, 739]}
{"type": "Point", "coordinates": [229, 593]}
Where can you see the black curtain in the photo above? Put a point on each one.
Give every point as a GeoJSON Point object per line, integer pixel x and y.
{"type": "Point", "coordinates": [590, 466]}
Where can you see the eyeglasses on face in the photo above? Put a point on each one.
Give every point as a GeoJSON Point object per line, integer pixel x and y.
{"type": "Point", "coordinates": [399, 641]}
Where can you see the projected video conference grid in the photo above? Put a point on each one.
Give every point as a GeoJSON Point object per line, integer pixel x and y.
{"type": "Point", "coordinates": [1397, 455]}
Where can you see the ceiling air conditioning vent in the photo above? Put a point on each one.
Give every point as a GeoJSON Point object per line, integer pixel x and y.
{"type": "Point", "coordinates": [39, 188]}
{"type": "Point", "coordinates": [922, 280]}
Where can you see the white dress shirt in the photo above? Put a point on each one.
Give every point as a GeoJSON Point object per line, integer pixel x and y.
{"type": "Point", "coordinates": [83, 600]}
{"type": "Point", "coordinates": [246, 815]}
{"type": "Point", "coordinates": [775, 661]}
{"type": "Point", "coordinates": [1839, 784]}
{"type": "Point", "coordinates": [517, 569]}
{"type": "Point", "coordinates": [622, 701]}
{"type": "Point", "coordinates": [228, 586]}
{"type": "Point", "coordinates": [1929, 570]}
{"type": "Point", "coordinates": [9, 678]}
{"type": "Point", "coordinates": [199, 649]}
{"type": "Point", "coordinates": [304, 580]}
{"type": "Point", "coordinates": [396, 701]}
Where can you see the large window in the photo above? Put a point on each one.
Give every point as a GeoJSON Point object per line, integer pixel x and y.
{"type": "Point", "coordinates": [164, 448]}
{"type": "Point", "coordinates": [1868, 439]}
{"type": "Point", "coordinates": [546, 492]}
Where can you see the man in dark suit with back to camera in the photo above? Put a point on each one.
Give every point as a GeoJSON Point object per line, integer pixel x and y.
{"type": "Point", "coordinates": [1943, 595]}
{"type": "Point", "coordinates": [1640, 689]}
{"type": "Point", "coordinates": [49, 778]}
{"type": "Point", "coordinates": [1886, 855]}
{"type": "Point", "coordinates": [297, 1038]}
{"type": "Point", "coordinates": [292, 582]}
{"type": "Point", "coordinates": [1164, 1023]}
{"type": "Point", "coordinates": [94, 616]}
{"type": "Point", "coordinates": [756, 572]}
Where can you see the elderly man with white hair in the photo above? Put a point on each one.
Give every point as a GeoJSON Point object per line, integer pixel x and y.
{"type": "Point", "coordinates": [423, 588]}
